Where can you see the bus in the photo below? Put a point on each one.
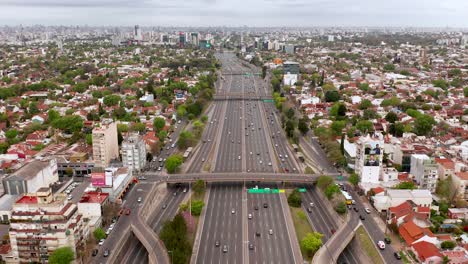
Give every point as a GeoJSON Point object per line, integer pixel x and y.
{"type": "Point", "coordinates": [187, 153]}
{"type": "Point", "coordinates": [349, 199]}
{"type": "Point", "coordinates": [295, 147]}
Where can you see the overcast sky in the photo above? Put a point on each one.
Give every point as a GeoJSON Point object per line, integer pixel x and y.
{"type": "Point", "coordinates": [428, 13]}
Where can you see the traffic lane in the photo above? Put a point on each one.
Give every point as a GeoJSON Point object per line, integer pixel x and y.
{"type": "Point", "coordinates": [324, 223]}
{"type": "Point", "coordinates": [274, 248]}
{"type": "Point", "coordinates": [165, 152]}
{"type": "Point", "coordinates": [374, 230]}
{"type": "Point", "coordinates": [172, 204]}
{"type": "Point", "coordinates": [222, 225]}
{"type": "Point", "coordinates": [124, 220]}
{"type": "Point", "coordinates": [230, 149]}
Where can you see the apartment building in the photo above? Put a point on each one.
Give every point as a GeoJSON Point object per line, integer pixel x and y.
{"type": "Point", "coordinates": [42, 222]}
{"type": "Point", "coordinates": [425, 171]}
{"type": "Point", "coordinates": [105, 143]}
{"type": "Point", "coordinates": [134, 152]}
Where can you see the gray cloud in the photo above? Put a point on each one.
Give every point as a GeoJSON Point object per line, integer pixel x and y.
{"type": "Point", "coordinates": [237, 12]}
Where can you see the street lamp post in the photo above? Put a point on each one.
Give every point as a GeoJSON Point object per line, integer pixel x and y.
{"type": "Point", "coordinates": [172, 256]}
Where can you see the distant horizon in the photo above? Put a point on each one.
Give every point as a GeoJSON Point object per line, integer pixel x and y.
{"type": "Point", "coordinates": [257, 13]}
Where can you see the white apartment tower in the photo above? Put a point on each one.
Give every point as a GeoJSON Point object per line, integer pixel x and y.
{"type": "Point", "coordinates": [134, 152]}
{"type": "Point", "coordinates": [425, 171]}
{"type": "Point", "coordinates": [369, 154]}
{"type": "Point", "coordinates": [105, 143]}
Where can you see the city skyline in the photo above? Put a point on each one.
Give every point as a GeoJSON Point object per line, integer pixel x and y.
{"type": "Point", "coordinates": [225, 13]}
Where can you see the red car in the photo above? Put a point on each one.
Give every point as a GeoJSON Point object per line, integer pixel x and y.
{"type": "Point", "coordinates": [121, 211]}
{"type": "Point", "coordinates": [127, 212]}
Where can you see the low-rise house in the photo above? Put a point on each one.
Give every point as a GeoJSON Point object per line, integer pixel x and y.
{"type": "Point", "coordinates": [427, 252]}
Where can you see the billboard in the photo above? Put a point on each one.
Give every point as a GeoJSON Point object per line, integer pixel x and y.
{"type": "Point", "coordinates": [372, 153]}
{"type": "Point", "coordinates": [98, 179]}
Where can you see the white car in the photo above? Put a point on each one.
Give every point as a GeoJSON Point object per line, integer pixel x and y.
{"type": "Point", "coordinates": [381, 244]}
{"type": "Point", "coordinates": [233, 211]}
{"type": "Point", "coordinates": [101, 242]}
{"type": "Point", "coordinates": [250, 216]}
{"type": "Point", "coordinates": [269, 163]}
{"type": "Point", "coordinates": [367, 210]}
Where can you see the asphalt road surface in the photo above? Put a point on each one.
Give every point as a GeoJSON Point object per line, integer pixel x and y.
{"type": "Point", "coordinates": [222, 225]}
{"type": "Point", "coordinates": [323, 222]}
{"type": "Point", "coordinates": [274, 247]}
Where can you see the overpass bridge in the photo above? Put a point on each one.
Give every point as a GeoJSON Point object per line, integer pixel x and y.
{"type": "Point", "coordinates": [330, 251]}
{"type": "Point", "coordinates": [242, 73]}
{"type": "Point", "coordinates": [243, 176]}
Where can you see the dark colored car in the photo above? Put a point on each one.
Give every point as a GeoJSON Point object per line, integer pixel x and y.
{"type": "Point", "coordinates": [106, 253]}
{"type": "Point", "coordinates": [256, 208]}
{"type": "Point", "coordinates": [361, 217]}
{"type": "Point", "coordinates": [265, 205]}
{"type": "Point", "coordinates": [397, 255]}
{"type": "Point", "coordinates": [251, 246]}
{"type": "Point", "coordinates": [257, 233]}
{"type": "Point", "coordinates": [387, 240]}
{"type": "Point", "coordinates": [355, 209]}
{"type": "Point", "coordinates": [309, 209]}
{"type": "Point", "coordinates": [95, 252]}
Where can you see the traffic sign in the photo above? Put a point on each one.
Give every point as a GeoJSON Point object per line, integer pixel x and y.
{"type": "Point", "coordinates": [302, 190]}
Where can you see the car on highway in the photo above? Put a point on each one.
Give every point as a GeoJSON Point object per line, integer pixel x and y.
{"type": "Point", "coordinates": [269, 163]}
{"type": "Point", "coordinates": [160, 159]}
{"type": "Point", "coordinates": [361, 217]}
{"type": "Point", "coordinates": [164, 206]}
{"type": "Point", "coordinates": [381, 244]}
{"type": "Point", "coordinates": [233, 211]}
{"type": "Point", "coordinates": [397, 255]}
{"type": "Point", "coordinates": [185, 190]}
{"type": "Point", "coordinates": [217, 243]}
{"type": "Point", "coordinates": [106, 253]}
{"type": "Point", "coordinates": [256, 208]}
{"type": "Point", "coordinates": [367, 210]}
{"type": "Point", "coordinates": [203, 160]}
{"type": "Point", "coordinates": [101, 242]}
{"type": "Point", "coordinates": [265, 205]}
{"type": "Point", "coordinates": [225, 249]}
{"type": "Point", "coordinates": [250, 216]}
{"type": "Point", "coordinates": [139, 199]}
{"type": "Point", "coordinates": [251, 246]}
{"type": "Point", "coordinates": [257, 233]}
{"type": "Point", "coordinates": [309, 209]}
{"type": "Point", "coordinates": [311, 204]}
{"type": "Point", "coordinates": [239, 157]}
{"type": "Point", "coordinates": [270, 231]}
{"type": "Point", "coordinates": [159, 168]}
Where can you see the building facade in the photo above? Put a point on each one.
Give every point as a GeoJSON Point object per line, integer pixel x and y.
{"type": "Point", "coordinates": [368, 162]}
{"type": "Point", "coordinates": [31, 177]}
{"type": "Point", "coordinates": [425, 171]}
{"type": "Point", "coordinates": [42, 222]}
{"type": "Point", "coordinates": [134, 152]}
{"type": "Point", "coordinates": [105, 143]}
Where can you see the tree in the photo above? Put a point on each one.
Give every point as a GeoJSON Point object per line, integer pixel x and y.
{"type": "Point", "coordinates": [186, 139]}
{"type": "Point", "coordinates": [311, 243]}
{"type": "Point", "coordinates": [289, 128]}
{"type": "Point", "coordinates": [173, 163]}
{"type": "Point", "coordinates": [324, 181]}
{"type": "Point", "coordinates": [99, 234]}
{"type": "Point", "coordinates": [354, 179]}
{"type": "Point", "coordinates": [332, 96]}
{"type": "Point", "coordinates": [138, 127]}
{"type": "Point", "coordinates": [89, 139]}
{"type": "Point", "coordinates": [331, 190]}
{"type": "Point", "coordinates": [197, 207]}
{"type": "Point", "coordinates": [62, 255]}
{"type": "Point", "coordinates": [407, 185]}
{"type": "Point", "coordinates": [397, 129]}
{"type": "Point", "coordinates": [391, 117]}
{"type": "Point", "coordinates": [159, 123]}
{"type": "Point", "coordinates": [69, 123]}
{"type": "Point", "coordinates": [264, 70]}
{"type": "Point", "coordinates": [365, 126]}
{"type": "Point", "coordinates": [181, 111]}
{"type": "Point", "coordinates": [294, 198]}
{"type": "Point", "coordinates": [337, 127]}
{"type": "Point", "coordinates": [11, 134]}
{"type": "Point", "coordinates": [365, 104]}
{"type": "Point", "coordinates": [33, 108]}
{"type": "Point", "coordinates": [338, 110]}
{"type": "Point", "coordinates": [52, 115]}
{"type": "Point", "coordinates": [111, 100]}
{"type": "Point", "coordinates": [290, 113]}
{"type": "Point", "coordinates": [448, 244]}
{"type": "Point", "coordinates": [389, 67]}
{"type": "Point", "coordinates": [162, 135]}
{"type": "Point", "coordinates": [199, 187]}
{"type": "Point", "coordinates": [440, 83]}
{"type": "Point", "coordinates": [423, 124]}
{"type": "Point", "coordinates": [4, 147]}
{"type": "Point", "coordinates": [303, 125]}
{"type": "Point", "coordinates": [340, 208]}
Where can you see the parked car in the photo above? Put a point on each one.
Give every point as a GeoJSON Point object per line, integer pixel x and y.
{"type": "Point", "coordinates": [101, 242]}
{"type": "Point", "coordinates": [106, 253]}
{"type": "Point", "coordinates": [387, 240]}
{"type": "Point", "coordinates": [95, 252]}
{"type": "Point", "coordinates": [397, 255]}
{"type": "Point", "coordinates": [381, 244]}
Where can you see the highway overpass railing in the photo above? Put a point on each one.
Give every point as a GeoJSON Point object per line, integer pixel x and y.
{"type": "Point", "coordinates": [242, 176]}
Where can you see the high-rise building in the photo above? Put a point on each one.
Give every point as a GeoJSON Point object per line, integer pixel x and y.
{"type": "Point", "coordinates": [181, 39]}
{"type": "Point", "coordinates": [425, 171]}
{"type": "Point", "coordinates": [290, 67]}
{"type": "Point", "coordinates": [369, 154]}
{"type": "Point", "coordinates": [137, 33]}
{"type": "Point", "coordinates": [194, 38]}
{"type": "Point", "coordinates": [134, 152]}
{"type": "Point", "coordinates": [105, 143]}
{"type": "Point", "coordinates": [42, 222]}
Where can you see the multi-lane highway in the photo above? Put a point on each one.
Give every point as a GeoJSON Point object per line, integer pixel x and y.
{"type": "Point", "coordinates": [221, 240]}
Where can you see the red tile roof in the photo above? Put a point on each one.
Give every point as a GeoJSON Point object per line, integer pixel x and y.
{"type": "Point", "coordinates": [27, 200]}
{"type": "Point", "coordinates": [426, 250]}
{"type": "Point", "coordinates": [410, 232]}
{"type": "Point", "coordinates": [378, 190]}
{"type": "Point", "coordinates": [94, 197]}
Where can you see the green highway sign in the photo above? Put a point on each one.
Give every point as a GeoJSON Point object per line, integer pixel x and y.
{"type": "Point", "coordinates": [302, 190]}
{"type": "Point", "coordinates": [268, 101]}
{"type": "Point", "coordinates": [263, 191]}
